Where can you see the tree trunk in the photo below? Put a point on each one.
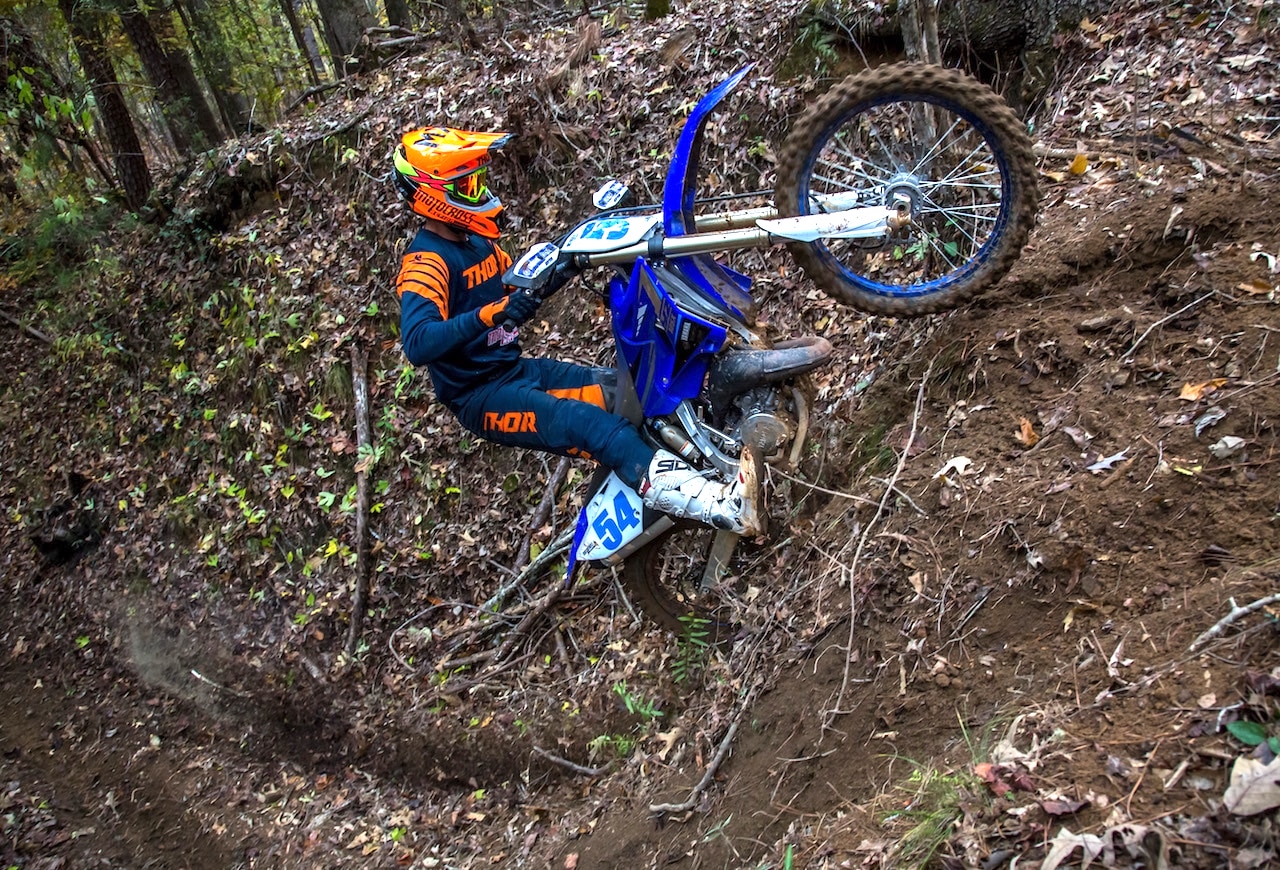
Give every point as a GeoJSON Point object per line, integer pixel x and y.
{"type": "Point", "coordinates": [345, 22]}
{"type": "Point", "coordinates": [919, 22]}
{"type": "Point", "coordinates": [655, 9]}
{"type": "Point", "coordinates": [130, 163]}
{"type": "Point", "coordinates": [214, 58]}
{"type": "Point", "coordinates": [155, 65]}
{"type": "Point", "coordinates": [455, 13]}
{"type": "Point", "coordinates": [306, 47]}
{"type": "Point", "coordinates": [184, 73]}
{"type": "Point", "coordinates": [397, 13]}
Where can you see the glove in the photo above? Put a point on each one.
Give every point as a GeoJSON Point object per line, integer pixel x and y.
{"type": "Point", "coordinates": [514, 308]}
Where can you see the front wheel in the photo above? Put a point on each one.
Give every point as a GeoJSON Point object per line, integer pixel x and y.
{"type": "Point", "coordinates": [923, 139]}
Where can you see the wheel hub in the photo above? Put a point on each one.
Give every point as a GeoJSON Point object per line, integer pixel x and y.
{"type": "Point", "coordinates": [904, 189]}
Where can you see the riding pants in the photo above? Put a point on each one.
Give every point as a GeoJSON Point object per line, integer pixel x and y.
{"type": "Point", "coordinates": [558, 407]}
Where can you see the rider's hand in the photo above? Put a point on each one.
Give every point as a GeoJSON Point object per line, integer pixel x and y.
{"type": "Point", "coordinates": [514, 308]}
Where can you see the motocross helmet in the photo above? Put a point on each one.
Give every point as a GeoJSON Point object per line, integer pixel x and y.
{"type": "Point", "coordinates": [441, 172]}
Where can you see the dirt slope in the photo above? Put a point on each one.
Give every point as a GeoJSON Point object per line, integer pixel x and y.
{"type": "Point", "coordinates": [977, 608]}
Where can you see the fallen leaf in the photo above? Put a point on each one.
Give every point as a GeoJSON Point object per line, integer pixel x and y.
{"type": "Point", "coordinates": [1254, 787]}
{"type": "Point", "coordinates": [1195, 392]}
{"type": "Point", "coordinates": [957, 464]}
{"type": "Point", "coordinates": [1106, 463]}
{"type": "Point", "coordinates": [1079, 165]}
{"type": "Point", "coordinates": [1211, 417]}
{"type": "Point", "coordinates": [1062, 807]}
{"type": "Point", "coordinates": [571, 861]}
{"type": "Point", "coordinates": [1066, 843]}
{"type": "Point", "coordinates": [987, 773]}
{"type": "Point", "coordinates": [1027, 432]}
{"type": "Point", "coordinates": [1226, 447]}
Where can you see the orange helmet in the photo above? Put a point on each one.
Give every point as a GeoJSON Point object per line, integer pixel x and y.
{"type": "Point", "coordinates": [441, 172]}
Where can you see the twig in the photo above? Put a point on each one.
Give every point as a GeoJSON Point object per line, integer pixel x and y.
{"type": "Point", "coordinates": [771, 469]}
{"type": "Point", "coordinates": [360, 385]}
{"type": "Point", "coordinates": [890, 488]}
{"type": "Point", "coordinates": [1145, 767]}
{"type": "Point", "coordinates": [566, 763]}
{"type": "Point", "coordinates": [1236, 613]}
{"type": "Point", "coordinates": [709, 774]}
{"type": "Point", "coordinates": [1162, 321]}
{"type": "Point", "coordinates": [555, 548]}
{"type": "Point", "coordinates": [309, 93]}
{"type": "Point", "coordinates": [202, 678]}
{"type": "Point", "coordinates": [543, 512]}
{"type": "Point", "coordinates": [29, 330]}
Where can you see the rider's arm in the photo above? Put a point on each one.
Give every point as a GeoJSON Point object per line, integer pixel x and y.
{"type": "Point", "coordinates": [427, 333]}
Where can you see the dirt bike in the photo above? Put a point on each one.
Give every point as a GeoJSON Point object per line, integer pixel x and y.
{"type": "Point", "coordinates": [904, 190]}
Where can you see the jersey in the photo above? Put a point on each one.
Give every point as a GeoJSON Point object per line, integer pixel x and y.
{"type": "Point", "coordinates": [442, 286]}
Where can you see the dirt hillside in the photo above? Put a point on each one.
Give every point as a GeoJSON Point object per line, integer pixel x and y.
{"type": "Point", "coordinates": [1016, 608]}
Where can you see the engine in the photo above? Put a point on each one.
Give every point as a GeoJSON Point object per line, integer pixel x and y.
{"type": "Point", "coordinates": [760, 418]}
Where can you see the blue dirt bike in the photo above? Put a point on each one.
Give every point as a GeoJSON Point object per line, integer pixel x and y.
{"type": "Point", "coordinates": [904, 190]}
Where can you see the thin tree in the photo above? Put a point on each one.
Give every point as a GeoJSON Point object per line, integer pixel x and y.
{"type": "Point", "coordinates": [303, 39]}
{"type": "Point", "coordinates": [175, 48]}
{"type": "Point", "coordinates": [397, 13]}
{"type": "Point", "coordinates": [175, 106]}
{"type": "Point", "coordinates": [130, 163]}
{"type": "Point", "coordinates": [214, 57]}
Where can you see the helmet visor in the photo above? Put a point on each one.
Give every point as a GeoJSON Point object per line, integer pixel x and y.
{"type": "Point", "coordinates": [470, 188]}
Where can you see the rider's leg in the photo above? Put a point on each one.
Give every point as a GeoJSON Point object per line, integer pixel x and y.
{"type": "Point", "coordinates": [559, 407]}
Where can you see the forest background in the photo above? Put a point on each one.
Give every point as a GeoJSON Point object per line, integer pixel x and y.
{"type": "Point", "coordinates": [1019, 602]}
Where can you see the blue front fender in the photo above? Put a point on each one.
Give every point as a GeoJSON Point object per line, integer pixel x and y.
{"type": "Point", "coordinates": [681, 186]}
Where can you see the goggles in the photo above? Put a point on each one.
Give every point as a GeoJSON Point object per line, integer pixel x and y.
{"type": "Point", "coordinates": [469, 188]}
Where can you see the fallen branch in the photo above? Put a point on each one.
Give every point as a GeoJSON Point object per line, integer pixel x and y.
{"type": "Point", "coordinates": [721, 754]}
{"type": "Point", "coordinates": [1162, 321]}
{"type": "Point", "coordinates": [360, 385]}
{"type": "Point", "coordinates": [29, 330]}
{"type": "Point", "coordinates": [1235, 614]}
{"type": "Point", "coordinates": [309, 93]}
{"type": "Point", "coordinates": [542, 513]}
{"type": "Point", "coordinates": [540, 607]}
{"type": "Point", "coordinates": [772, 470]}
{"type": "Point", "coordinates": [554, 549]}
{"type": "Point", "coordinates": [566, 763]}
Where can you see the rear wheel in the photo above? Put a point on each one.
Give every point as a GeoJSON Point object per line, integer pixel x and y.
{"type": "Point", "coordinates": [665, 579]}
{"type": "Point", "coordinates": [927, 140]}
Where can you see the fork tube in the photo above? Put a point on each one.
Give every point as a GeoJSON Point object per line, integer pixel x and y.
{"type": "Point", "coordinates": [677, 246]}
{"type": "Point", "coordinates": [734, 220]}
{"type": "Point", "coordinates": [717, 566]}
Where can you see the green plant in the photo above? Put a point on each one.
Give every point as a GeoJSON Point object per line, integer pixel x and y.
{"type": "Point", "coordinates": [692, 647]}
{"type": "Point", "coordinates": [636, 704]}
{"type": "Point", "coordinates": [932, 799]}
{"type": "Point", "coordinates": [1254, 733]}
{"type": "Point", "coordinates": [620, 745]}
{"type": "Point", "coordinates": [931, 802]}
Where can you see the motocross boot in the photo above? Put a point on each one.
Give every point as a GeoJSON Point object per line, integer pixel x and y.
{"type": "Point", "coordinates": [674, 487]}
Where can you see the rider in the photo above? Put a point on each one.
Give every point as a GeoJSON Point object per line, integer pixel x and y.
{"type": "Point", "coordinates": [459, 319]}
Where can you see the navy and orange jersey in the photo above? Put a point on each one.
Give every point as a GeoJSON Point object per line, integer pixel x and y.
{"type": "Point", "coordinates": [442, 286]}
